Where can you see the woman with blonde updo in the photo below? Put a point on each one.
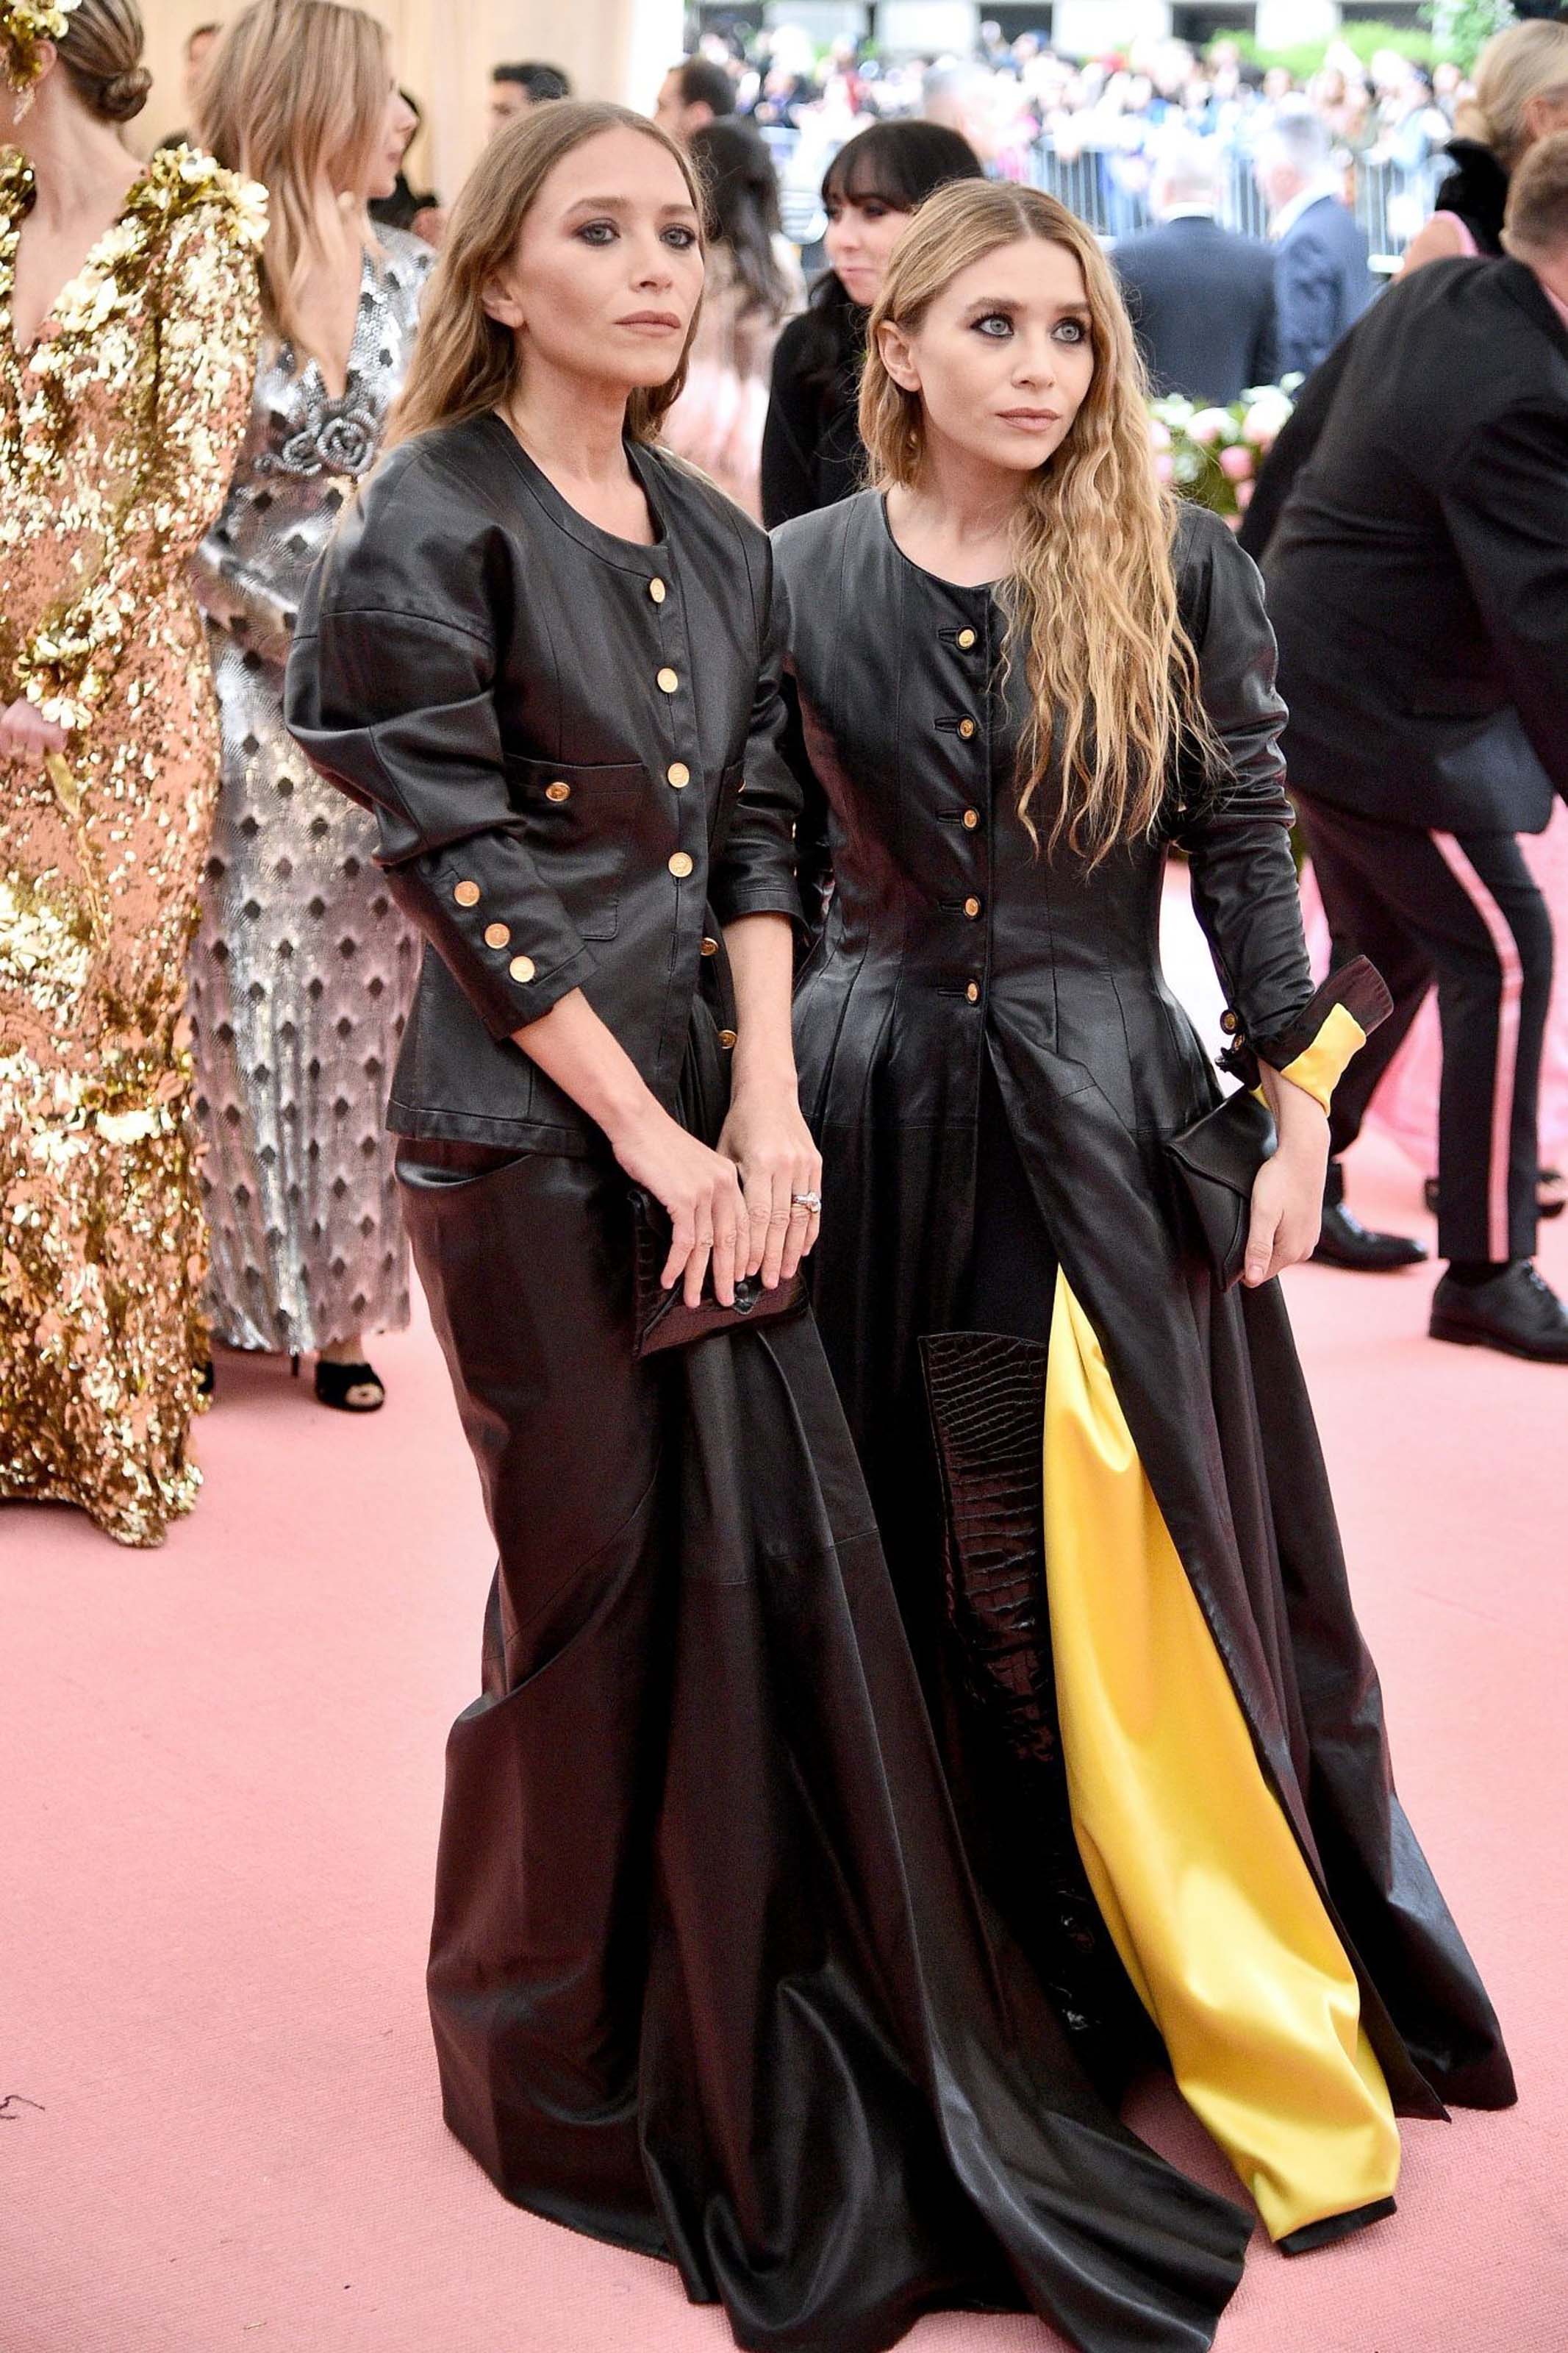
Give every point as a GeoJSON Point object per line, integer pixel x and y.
{"type": "Point", "coordinates": [128, 314]}
{"type": "Point", "coordinates": [1520, 95]}
{"type": "Point", "coordinates": [1024, 674]}
{"type": "Point", "coordinates": [303, 969]}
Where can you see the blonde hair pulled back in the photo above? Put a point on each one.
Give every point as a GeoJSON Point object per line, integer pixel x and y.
{"type": "Point", "coordinates": [296, 93]}
{"type": "Point", "coordinates": [1526, 61]}
{"type": "Point", "coordinates": [1091, 598]}
{"type": "Point", "coordinates": [465, 362]}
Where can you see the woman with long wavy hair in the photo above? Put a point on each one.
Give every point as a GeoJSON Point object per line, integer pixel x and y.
{"type": "Point", "coordinates": [1022, 676]}
{"type": "Point", "coordinates": [303, 968]}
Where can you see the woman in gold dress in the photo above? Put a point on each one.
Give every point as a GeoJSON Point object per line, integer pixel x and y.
{"type": "Point", "coordinates": [129, 320]}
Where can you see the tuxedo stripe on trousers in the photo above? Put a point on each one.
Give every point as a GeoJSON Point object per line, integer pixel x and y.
{"type": "Point", "coordinates": [1462, 909]}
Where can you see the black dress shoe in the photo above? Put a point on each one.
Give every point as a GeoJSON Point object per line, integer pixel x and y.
{"type": "Point", "coordinates": [1516, 1312]}
{"type": "Point", "coordinates": [1345, 1242]}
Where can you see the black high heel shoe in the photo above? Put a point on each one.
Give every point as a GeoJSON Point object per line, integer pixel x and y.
{"type": "Point", "coordinates": [335, 1383]}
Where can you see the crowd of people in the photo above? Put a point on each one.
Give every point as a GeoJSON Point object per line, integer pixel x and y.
{"type": "Point", "coordinates": [434, 809]}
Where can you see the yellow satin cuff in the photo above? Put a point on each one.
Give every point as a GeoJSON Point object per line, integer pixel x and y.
{"type": "Point", "coordinates": [1196, 1870]}
{"type": "Point", "coordinates": [1321, 1066]}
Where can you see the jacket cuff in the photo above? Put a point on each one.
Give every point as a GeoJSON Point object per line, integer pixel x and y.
{"type": "Point", "coordinates": [1314, 1048]}
{"type": "Point", "coordinates": [730, 900]}
{"type": "Point", "coordinates": [511, 961]}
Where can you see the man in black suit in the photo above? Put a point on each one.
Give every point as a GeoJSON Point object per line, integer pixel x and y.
{"type": "Point", "coordinates": [1201, 299]}
{"type": "Point", "coordinates": [1321, 282]}
{"type": "Point", "coordinates": [1418, 586]}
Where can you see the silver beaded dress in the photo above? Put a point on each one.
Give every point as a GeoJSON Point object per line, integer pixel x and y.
{"type": "Point", "coordinates": [303, 969]}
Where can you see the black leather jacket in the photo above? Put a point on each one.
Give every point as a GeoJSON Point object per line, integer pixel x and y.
{"type": "Point", "coordinates": [552, 726]}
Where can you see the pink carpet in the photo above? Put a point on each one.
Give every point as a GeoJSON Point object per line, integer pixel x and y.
{"type": "Point", "coordinates": [220, 1770]}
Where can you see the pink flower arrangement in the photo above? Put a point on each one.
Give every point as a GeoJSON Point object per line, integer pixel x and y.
{"type": "Point", "coordinates": [1212, 454]}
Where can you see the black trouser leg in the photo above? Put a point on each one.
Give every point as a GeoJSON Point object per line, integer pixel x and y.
{"type": "Point", "coordinates": [1471, 906]}
{"type": "Point", "coordinates": [1361, 923]}
{"type": "Point", "coordinates": [539, 1951]}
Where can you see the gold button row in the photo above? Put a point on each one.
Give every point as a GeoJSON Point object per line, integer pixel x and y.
{"type": "Point", "coordinates": [498, 935]}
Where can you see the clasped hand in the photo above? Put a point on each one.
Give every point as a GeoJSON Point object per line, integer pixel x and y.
{"type": "Point", "coordinates": [736, 1206]}
{"type": "Point", "coordinates": [26, 733]}
{"type": "Point", "coordinates": [1288, 1191]}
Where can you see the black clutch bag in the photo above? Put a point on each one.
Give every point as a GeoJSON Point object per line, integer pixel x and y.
{"type": "Point", "coordinates": [663, 1317]}
{"type": "Point", "coordinates": [1217, 1160]}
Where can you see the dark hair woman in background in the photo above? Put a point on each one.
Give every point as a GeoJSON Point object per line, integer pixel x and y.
{"type": "Point", "coordinates": [812, 453]}
{"type": "Point", "coordinates": [753, 284]}
{"type": "Point", "coordinates": [708, 1977]}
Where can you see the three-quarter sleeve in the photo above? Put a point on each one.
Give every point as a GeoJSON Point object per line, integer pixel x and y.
{"type": "Point", "coordinates": [753, 870]}
{"type": "Point", "coordinates": [390, 692]}
{"type": "Point", "coordinates": [208, 306]}
{"type": "Point", "coordinates": [1237, 835]}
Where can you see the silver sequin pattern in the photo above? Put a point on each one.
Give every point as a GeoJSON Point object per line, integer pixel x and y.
{"type": "Point", "coordinates": [304, 969]}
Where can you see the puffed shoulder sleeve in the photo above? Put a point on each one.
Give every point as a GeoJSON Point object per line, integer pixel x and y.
{"type": "Point", "coordinates": [1235, 826]}
{"type": "Point", "coordinates": [753, 871]}
{"type": "Point", "coordinates": [390, 693]}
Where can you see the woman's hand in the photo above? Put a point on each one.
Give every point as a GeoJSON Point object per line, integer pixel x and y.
{"type": "Point", "coordinates": [1288, 1192]}
{"type": "Point", "coordinates": [769, 1142]}
{"type": "Point", "coordinates": [26, 734]}
{"type": "Point", "coordinates": [701, 1192]}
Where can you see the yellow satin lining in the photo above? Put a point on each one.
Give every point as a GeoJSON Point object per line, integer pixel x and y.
{"type": "Point", "coordinates": [1196, 1870]}
{"type": "Point", "coordinates": [1322, 1066]}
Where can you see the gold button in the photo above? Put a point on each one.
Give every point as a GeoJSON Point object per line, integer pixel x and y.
{"type": "Point", "coordinates": [558, 791]}
{"type": "Point", "coordinates": [466, 895]}
{"type": "Point", "coordinates": [656, 589]}
{"type": "Point", "coordinates": [970, 819]}
{"type": "Point", "coordinates": [710, 947]}
{"type": "Point", "coordinates": [522, 967]}
{"type": "Point", "coordinates": [966, 728]}
{"type": "Point", "coordinates": [668, 680]}
{"type": "Point", "coordinates": [966, 638]}
{"type": "Point", "coordinates": [1230, 1024]}
{"type": "Point", "coordinates": [972, 992]}
{"type": "Point", "coordinates": [680, 865]}
{"type": "Point", "coordinates": [497, 935]}
{"type": "Point", "coordinates": [726, 1039]}
{"type": "Point", "coordinates": [971, 908]}
{"type": "Point", "coordinates": [678, 774]}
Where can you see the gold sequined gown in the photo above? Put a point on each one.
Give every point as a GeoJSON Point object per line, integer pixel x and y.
{"type": "Point", "coordinates": [118, 430]}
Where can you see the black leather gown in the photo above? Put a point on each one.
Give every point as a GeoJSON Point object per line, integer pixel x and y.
{"type": "Point", "coordinates": [710, 1976]}
{"type": "Point", "coordinates": [991, 1060]}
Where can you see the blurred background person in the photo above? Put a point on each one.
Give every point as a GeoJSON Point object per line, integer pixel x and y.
{"type": "Point", "coordinates": [812, 451]}
{"type": "Point", "coordinates": [1201, 299]}
{"type": "Point", "coordinates": [514, 89]}
{"type": "Point", "coordinates": [693, 92]}
{"type": "Point", "coordinates": [199, 46]}
{"type": "Point", "coordinates": [129, 315]}
{"type": "Point", "coordinates": [1418, 587]}
{"type": "Point", "coordinates": [421, 216]}
{"type": "Point", "coordinates": [1520, 95]}
{"type": "Point", "coordinates": [1321, 281]}
{"type": "Point", "coordinates": [753, 284]}
{"type": "Point", "coordinates": [304, 969]}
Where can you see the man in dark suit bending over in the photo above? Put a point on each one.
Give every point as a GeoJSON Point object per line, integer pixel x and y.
{"type": "Point", "coordinates": [1321, 282]}
{"type": "Point", "coordinates": [1201, 299]}
{"type": "Point", "coordinates": [1418, 586]}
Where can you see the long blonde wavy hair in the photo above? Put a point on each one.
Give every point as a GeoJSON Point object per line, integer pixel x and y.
{"type": "Point", "coordinates": [295, 92]}
{"type": "Point", "coordinates": [465, 362]}
{"type": "Point", "coordinates": [1091, 598]}
{"type": "Point", "coordinates": [1525, 61]}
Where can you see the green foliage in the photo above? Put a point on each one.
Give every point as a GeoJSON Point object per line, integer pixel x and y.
{"type": "Point", "coordinates": [1455, 28]}
{"type": "Point", "coordinates": [1463, 27]}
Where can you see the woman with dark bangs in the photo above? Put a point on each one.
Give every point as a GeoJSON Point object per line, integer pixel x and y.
{"type": "Point", "coordinates": [812, 451]}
